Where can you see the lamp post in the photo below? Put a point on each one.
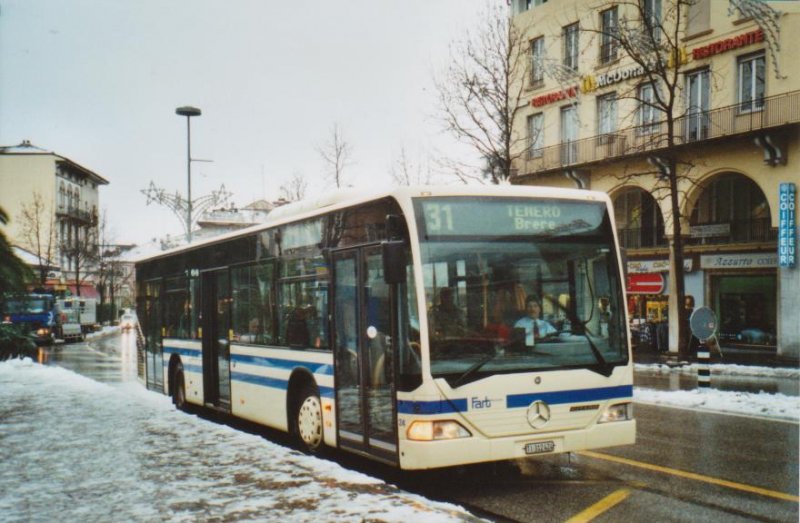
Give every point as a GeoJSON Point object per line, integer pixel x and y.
{"type": "Point", "coordinates": [188, 111]}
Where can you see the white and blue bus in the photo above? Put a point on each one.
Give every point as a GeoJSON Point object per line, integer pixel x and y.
{"type": "Point", "coordinates": [423, 327]}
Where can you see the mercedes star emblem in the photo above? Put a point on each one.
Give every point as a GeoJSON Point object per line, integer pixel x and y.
{"type": "Point", "coordinates": [538, 414]}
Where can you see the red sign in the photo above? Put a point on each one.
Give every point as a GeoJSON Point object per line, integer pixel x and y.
{"type": "Point", "coordinates": [569, 92]}
{"type": "Point", "coordinates": [646, 283]}
{"type": "Point", "coordinates": [753, 37]}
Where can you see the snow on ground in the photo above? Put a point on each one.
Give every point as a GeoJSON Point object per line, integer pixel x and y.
{"type": "Point", "coordinates": [72, 449]}
{"type": "Point", "coordinates": [722, 369]}
{"type": "Point", "coordinates": [777, 406]}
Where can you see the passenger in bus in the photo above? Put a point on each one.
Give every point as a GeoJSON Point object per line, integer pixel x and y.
{"type": "Point", "coordinates": [536, 328]}
{"type": "Point", "coordinates": [446, 316]}
{"type": "Point", "coordinates": [497, 328]}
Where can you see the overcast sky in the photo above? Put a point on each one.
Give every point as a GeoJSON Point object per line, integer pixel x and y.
{"type": "Point", "coordinates": [98, 81]}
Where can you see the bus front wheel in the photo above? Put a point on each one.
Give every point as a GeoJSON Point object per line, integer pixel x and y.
{"type": "Point", "coordinates": [308, 420]}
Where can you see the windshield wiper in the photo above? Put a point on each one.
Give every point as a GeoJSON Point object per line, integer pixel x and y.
{"type": "Point", "coordinates": [602, 367]}
{"type": "Point", "coordinates": [475, 367]}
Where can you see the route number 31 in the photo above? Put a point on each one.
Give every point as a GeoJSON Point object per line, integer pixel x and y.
{"type": "Point", "coordinates": [439, 217]}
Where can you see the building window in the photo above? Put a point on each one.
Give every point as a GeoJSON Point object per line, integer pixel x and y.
{"type": "Point", "coordinates": [648, 114]}
{"type": "Point", "coordinates": [535, 135]}
{"type": "Point", "coordinates": [520, 6]}
{"type": "Point", "coordinates": [570, 35]}
{"type": "Point", "coordinates": [697, 118]}
{"type": "Point", "coordinates": [537, 56]}
{"type": "Point", "coordinates": [607, 116]}
{"type": "Point", "coordinates": [608, 35]}
{"type": "Point", "coordinates": [651, 12]}
{"type": "Point", "coordinates": [569, 134]}
{"type": "Point", "coordinates": [751, 82]}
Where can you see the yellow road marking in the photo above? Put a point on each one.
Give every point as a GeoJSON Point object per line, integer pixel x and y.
{"type": "Point", "coordinates": [692, 475]}
{"type": "Point", "coordinates": [601, 506]}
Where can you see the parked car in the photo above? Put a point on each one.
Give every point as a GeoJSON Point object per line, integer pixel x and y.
{"type": "Point", "coordinates": [128, 321]}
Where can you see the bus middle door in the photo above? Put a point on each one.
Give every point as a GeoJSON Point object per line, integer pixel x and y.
{"type": "Point", "coordinates": [216, 343]}
{"type": "Point", "coordinates": [363, 354]}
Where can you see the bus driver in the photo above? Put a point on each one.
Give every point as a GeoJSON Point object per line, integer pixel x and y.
{"type": "Point", "coordinates": [535, 327]}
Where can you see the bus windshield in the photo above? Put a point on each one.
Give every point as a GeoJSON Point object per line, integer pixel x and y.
{"type": "Point", "coordinates": [26, 306]}
{"type": "Point", "coordinates": [517, 285]}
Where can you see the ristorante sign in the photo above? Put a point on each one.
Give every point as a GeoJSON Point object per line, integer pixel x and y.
{"type": "Point", "coordinates": [728, 44]}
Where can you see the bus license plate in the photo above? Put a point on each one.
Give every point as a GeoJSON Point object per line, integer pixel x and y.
{"type": "Point", "coordinates": [540, 447]}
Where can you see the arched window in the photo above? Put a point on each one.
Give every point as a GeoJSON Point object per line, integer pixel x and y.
{"type": "Point", "coordinates": [639, 221]}
{"type": "Point", "coordinates": [731, 209]}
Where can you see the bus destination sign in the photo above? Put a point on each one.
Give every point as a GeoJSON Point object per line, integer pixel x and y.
{"type": "Point", "coordinates": [502, 217]}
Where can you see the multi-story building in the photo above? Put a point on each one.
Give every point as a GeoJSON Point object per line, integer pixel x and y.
{"type": "Point", "coordinates": [590, 122]}
{"type": "Point", "coordinates": [69, 202]}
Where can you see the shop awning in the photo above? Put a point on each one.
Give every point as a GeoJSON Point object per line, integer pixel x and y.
{"type": "Point", "coordinates": [87, 291]}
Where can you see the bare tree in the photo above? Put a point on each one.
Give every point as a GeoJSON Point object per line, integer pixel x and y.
{"type": "Point", "coordinates": [295, 189]}
{"type": "Point", "coordinates": [480, 94]}
{"type": "Point", "coordinates": [82, 252]}
{"type": "Point", "coordinates": [39, 233]}
{"type": "Point", "coordinates": [109, 267]}
{"type": "Point", "coordinates": [652, 39]}
{"type": "Point", "coordinates": [336, 154]}
{"type": "Point", "coordinates": [404, 171]}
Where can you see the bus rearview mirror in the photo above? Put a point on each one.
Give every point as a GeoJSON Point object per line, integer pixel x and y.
{"type": "Point", "coordinates": [394, 261]}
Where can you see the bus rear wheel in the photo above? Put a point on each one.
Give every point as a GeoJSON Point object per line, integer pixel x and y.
{"type": "Point", "coordinates": [307, 423]}
{"type": "Point", "coordinates": [179, 390]}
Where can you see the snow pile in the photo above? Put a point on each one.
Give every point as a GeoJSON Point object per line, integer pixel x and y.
{"type": "Point", "coordinates": [776, 406]}
{"type": "Point", "coordinates": [78, 450]}
{"type": "Point", "coordinates": [723, 369]}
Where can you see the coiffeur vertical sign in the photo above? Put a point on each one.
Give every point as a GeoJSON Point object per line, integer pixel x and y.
{"type": "Point", "coordinates": [787, 225]}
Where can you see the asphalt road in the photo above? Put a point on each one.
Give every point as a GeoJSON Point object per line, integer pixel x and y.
{"type": "Point", "coordinates": [686, 465]}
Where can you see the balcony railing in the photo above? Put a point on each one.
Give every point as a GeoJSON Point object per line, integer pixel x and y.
{"type": "Point", "coordinates": [776, 111]}
{"type": "Point", "coordinates": [77, 214]}
{"type": "Point", "coordinates": [642, 237]}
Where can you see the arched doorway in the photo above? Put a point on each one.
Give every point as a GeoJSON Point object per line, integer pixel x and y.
{"type": "Point", "coordinates": [731, 208]}
{"type": "Point", "coordinates": [639, 221]}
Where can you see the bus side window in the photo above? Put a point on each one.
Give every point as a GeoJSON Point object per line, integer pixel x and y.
{"type": "Point", "coordinates": [297, 328]}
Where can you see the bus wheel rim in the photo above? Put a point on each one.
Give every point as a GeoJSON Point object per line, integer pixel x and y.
{"type": "Point", "coordinates": [309, 422]}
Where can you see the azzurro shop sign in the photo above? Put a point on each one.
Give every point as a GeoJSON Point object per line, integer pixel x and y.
{"type": "Point", "coordinates": [787, 225]}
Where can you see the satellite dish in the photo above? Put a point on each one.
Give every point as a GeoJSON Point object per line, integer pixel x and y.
{"type": "Point", "coordinates": [703, 323]}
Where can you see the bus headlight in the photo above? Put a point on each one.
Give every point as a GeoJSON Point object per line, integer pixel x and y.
{"type": "Point", "coordinates": [43, 332]}
{"type": "Point", "coordinates": [434, 430]}
{"type": "Point", "coordinates": [619, 412]}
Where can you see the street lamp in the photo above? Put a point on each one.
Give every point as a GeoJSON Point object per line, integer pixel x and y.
{"type": "Point", "coordinates": [188, 111]}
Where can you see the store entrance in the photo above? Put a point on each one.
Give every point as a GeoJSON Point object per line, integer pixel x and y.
{"type": "Point", "coordinates": [747, 309]}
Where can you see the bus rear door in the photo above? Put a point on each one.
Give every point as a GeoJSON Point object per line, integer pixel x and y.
{"type": "Point", "coordinates": [216, 340]}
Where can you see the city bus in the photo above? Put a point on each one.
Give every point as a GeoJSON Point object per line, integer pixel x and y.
{"type": "Point", "coordinates": [422, 327]}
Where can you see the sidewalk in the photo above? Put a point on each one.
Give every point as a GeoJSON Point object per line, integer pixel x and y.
{"type": "Point", "coordinates": [738, 355]}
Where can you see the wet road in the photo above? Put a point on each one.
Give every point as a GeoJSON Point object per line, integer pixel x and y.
{"type": "Point", "coordinates": [686, 465]}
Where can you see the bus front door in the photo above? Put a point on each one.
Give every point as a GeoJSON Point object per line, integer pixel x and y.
{"type": "Point", "coordinates": [363, 354]}
{"type": "Point", "coordinates": [216, 343]}
{"type": "Point", "coordinates": [152, 320]}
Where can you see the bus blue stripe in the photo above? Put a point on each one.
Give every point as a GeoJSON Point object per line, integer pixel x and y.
{"type": "Point", "coordinates": [315, 368]}
{"type": "Point", "coordinates": [275, 383]}
{"type": "Point", "coordinates": [517, 400]}
{"type": "Point", "coordinates": [570, 396]}
{"type": "Point", "coordinates": [192, 353]}
{"type": "Point", "coordinates": [324, 369]}
{"type": "Point", "coordinates": [432, 407]}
